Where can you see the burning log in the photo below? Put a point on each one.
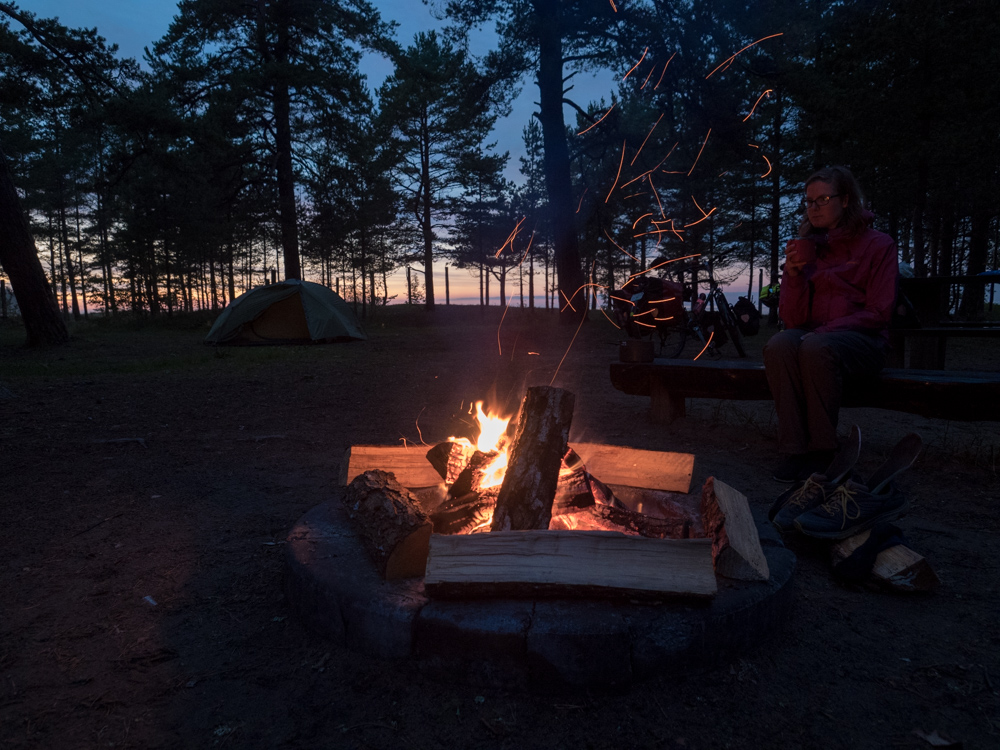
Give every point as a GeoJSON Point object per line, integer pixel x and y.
{"type": "Point", "coordinates": [476, 476]}
{"type": "Point", "coordinates": [529, 486]}
{"type": "Point", "coordinates": [736, 549]}
{"type": "Point", "coordinates": [566, 564]}
{"type": "Point", "coordinates": [472, 498]}
{"type": "Point", "coordinates": [643, 525]}
{"type": "Point", "coordinates": [577, 488]}
{"type": "Point", "coordinates": [393, 529]}
{"type": "Point", "coordinates": [465, 515]}
{"type": "Point", "coordinates": [449, 459]}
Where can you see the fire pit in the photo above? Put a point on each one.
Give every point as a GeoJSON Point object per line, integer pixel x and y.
{"type": "Point", "coordinates": [625, 579]}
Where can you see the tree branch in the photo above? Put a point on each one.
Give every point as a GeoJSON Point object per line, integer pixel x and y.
{"type": "Point", "coordinates": [28, 21]}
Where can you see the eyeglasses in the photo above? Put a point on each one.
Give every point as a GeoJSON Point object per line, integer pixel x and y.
{"type": "Point", "coordinates": [821, 201]}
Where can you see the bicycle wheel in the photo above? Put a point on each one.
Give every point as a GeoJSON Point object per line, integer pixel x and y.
{"type": "Point", "coordinates": [728, 319]}
{"type": "Point", "coordinates": [672, 340]}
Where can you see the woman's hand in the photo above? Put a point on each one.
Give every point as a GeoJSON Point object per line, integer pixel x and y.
{"type": "Point", "coordinates": [799, 254]}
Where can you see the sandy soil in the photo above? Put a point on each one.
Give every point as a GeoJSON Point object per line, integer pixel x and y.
{"type": "Point", "coordinates": [148, 483]}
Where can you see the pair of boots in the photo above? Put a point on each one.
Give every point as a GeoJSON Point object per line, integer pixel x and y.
{"type": "Point", "coordinates": [833, 505]}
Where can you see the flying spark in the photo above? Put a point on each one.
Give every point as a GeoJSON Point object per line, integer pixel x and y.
{"type": "Point", "coordinates": [707, 344]}
{"type": "Point", "coordinates": [619, 246]}
{"type": "Point", "coordinates": [600, 120]}
{"type": "Point", "coordinates": [699, 152]}
{"type": "Point", "coordinates": [728, 61]}
{"type": "Point", "coordinates": [622, 161]}
{"type": "Point", "coordinates": [664, 72]}
{"type": "Point", "coordinates": [637, 64]}
{"type": "Point", "coordinates": [646, 139]}
{"type": "Point", "coordinates": [754, 108]}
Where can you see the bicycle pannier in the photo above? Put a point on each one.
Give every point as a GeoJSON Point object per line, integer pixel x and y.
{"type": "Point", "coordinates": [747, 317]}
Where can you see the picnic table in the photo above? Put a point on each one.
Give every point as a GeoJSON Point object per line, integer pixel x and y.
{"type": "Point", "coordinates": [937, 302]}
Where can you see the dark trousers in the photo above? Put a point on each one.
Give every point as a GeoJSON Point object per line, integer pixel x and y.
{"type": "Point", "coordinates": [806, 375]}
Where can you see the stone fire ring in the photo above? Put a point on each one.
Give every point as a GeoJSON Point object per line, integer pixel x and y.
{"type": "Point", "coordinates": [521, 643]}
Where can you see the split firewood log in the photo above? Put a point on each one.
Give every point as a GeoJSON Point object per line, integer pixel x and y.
{"type": "Point", "coordinates": [393, 529]}
{"type": "Point", "coordinates": [449, 459]}
{"type": "Point", "coordinates": [572, 489]}
{"type": "Point", "coordinates": [898, 567]}
{"type": "Point", "coordinates": [736, 549]}
{"type": "Point", "coordinates": [539, 444]}
{"type": "Point", "coordinates": [567, 564]}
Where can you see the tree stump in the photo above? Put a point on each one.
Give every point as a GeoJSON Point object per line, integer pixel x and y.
{"type": "Point", "coordinates": [539, 444]}
{"type": "Point", "coordinates": [393, 529]}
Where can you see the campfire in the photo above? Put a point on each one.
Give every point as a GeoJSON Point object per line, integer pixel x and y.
{"type": "Point", "coordinates": [521, 511]}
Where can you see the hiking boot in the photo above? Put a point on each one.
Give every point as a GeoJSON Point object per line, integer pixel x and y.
{"type": "Point", "coordinates": [794, 502]}
{"type": "Point", "coordinates": [801, 466]}
{"type": "Point", "coordinates": [813, 491]}
{"type": "Point", "coordinates": [850, 509]}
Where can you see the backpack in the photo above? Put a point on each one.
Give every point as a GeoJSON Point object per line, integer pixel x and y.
{"type": "Point", "coordinates": [747, 317]}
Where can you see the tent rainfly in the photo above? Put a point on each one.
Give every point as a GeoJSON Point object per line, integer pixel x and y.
{"type": "Point", "coordinates": [291, 312]}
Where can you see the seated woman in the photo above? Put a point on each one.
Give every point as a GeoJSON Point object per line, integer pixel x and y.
{"type": "Point", "coordinates": [837, 294]}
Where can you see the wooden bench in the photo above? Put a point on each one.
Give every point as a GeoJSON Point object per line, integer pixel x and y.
{"type": "Point", "coordinates": [940, 394]}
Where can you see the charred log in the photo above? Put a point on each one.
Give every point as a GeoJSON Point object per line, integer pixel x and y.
{"type": "Point", "coordinates": [467, 514]}
{"type": "Point", "coordinates": [449, 459]}
{"type": "Point", "coordinates": [611, 517]}
{"type": "Point", "coordinates": [573, 491]}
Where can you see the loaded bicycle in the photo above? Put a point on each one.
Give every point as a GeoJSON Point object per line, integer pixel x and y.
{"type": "Point", "coordinates": [653, 308]}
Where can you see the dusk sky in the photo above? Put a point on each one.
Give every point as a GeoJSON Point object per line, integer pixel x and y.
{"type": "Point", "coordinates": [136, 24]}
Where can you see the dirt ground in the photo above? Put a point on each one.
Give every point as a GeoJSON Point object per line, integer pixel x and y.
{"type": "Point", "coordinates": [148, 483]}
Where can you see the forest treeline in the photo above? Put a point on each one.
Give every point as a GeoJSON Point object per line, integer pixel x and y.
{"type": "Point", "coordinates": [250, 145]}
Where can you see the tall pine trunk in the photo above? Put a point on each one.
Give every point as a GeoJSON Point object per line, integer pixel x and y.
{"type": "Point", "coordinates": [19, 260]}
{"type": "Point", "coordinates": [556, 161]}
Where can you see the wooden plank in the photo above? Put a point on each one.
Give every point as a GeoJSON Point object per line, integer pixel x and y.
{"type": "Point", "coordinates": [568, 563]}
{"type": "Point", "coordinates": [408, 462]}
{"type": "Point", "coordinates": [633, 467]}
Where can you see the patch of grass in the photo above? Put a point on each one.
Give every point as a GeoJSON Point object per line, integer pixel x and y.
{"type": "Point", "coordinates": [122, 347]}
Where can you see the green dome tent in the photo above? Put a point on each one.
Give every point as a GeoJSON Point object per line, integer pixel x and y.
{"type": "Point", "coordinates": [291, 312]}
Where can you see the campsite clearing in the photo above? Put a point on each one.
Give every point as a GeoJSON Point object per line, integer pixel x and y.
{"type": "Point", "coordinates": [149, 483]}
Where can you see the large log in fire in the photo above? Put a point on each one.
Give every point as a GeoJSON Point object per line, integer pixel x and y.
{"type": "Point", "coordinates": [529, 485]}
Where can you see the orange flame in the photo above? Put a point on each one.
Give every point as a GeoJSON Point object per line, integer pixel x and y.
{"type": "Point", "coordinates": [492, 439]}
{"type": "Point", "coordinates": [491, 429]}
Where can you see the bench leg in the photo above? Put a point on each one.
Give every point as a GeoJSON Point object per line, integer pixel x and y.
{"type": "Point", "coordinates": [666, 406]}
